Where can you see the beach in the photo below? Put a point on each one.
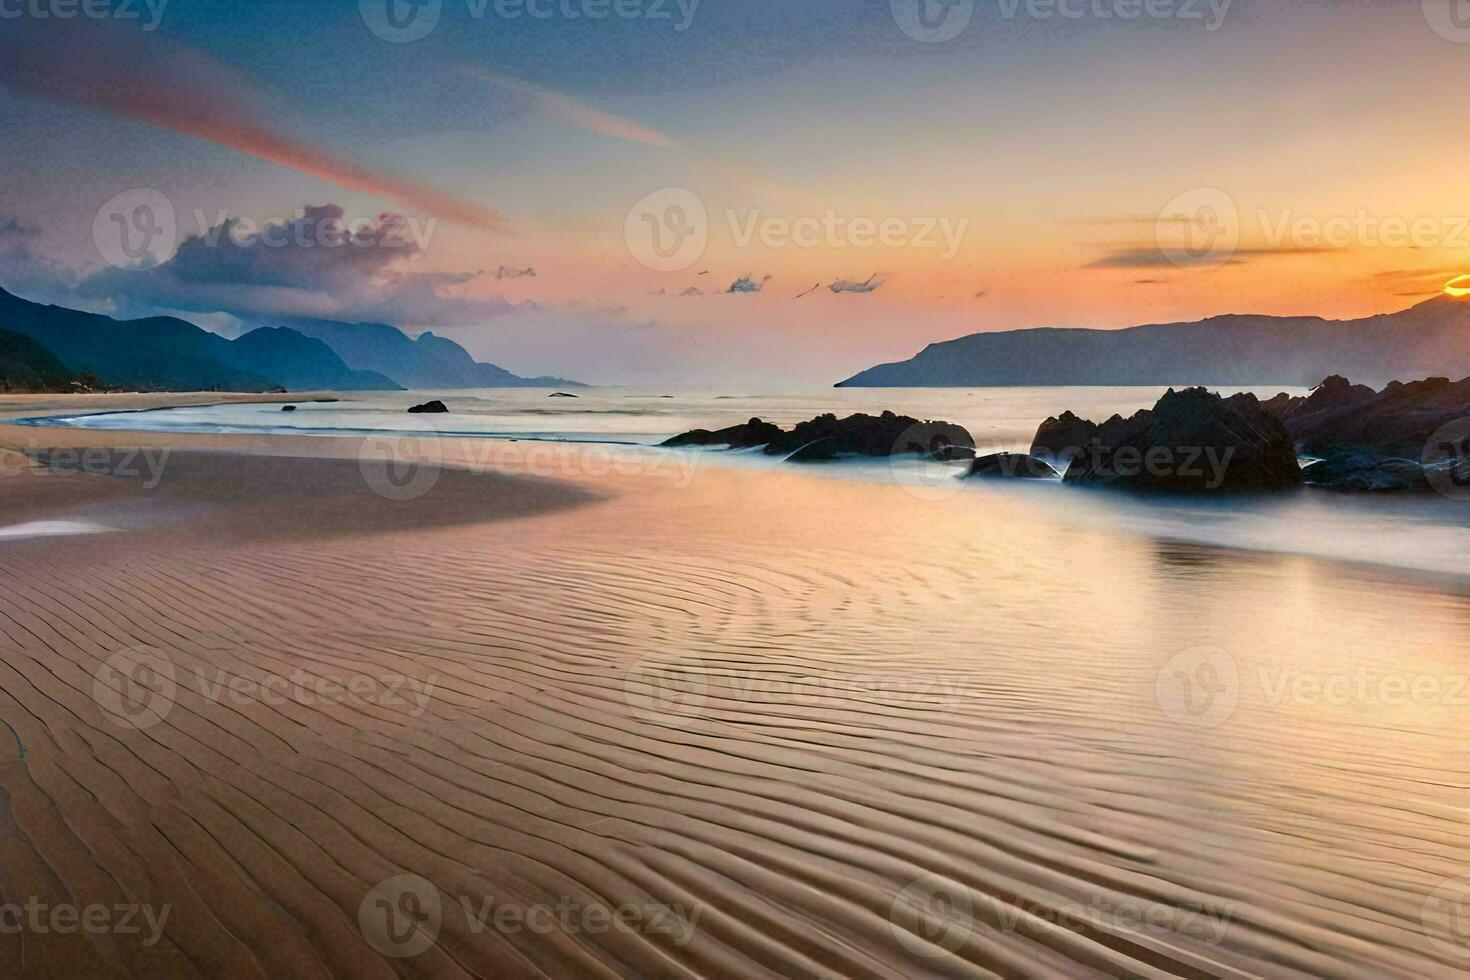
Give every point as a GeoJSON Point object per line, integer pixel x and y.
{"type": "Point", "coordinates": [552, 709]}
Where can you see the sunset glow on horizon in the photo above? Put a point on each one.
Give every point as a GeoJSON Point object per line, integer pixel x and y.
{"type": "Point", "coordinates": [989, 182]}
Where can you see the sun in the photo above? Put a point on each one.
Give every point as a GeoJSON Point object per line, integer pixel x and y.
{"type": "Point", "coordinates": [1458, 286]}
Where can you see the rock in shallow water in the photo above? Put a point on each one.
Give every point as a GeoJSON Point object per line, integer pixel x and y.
{"type": "Point", "coordinates": [743, 436]}
{"type": "Point", "coordinates": [429, 408]}
{"type": "Point", "coordinates": [1012, 466]}
{"type": "Point", "coordinates": [827, 437]}
{"type": "Point", "coordinates": [1364, 471]}
{"type": "Point", "coordinates": [1191, 440]}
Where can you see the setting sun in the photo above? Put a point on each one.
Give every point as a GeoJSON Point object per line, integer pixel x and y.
{"type": "Point", "coordinates": [1458, 286]}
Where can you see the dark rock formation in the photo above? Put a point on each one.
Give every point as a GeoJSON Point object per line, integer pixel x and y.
{"type": "Point", "coordinates": [744, 436]}
{"type": "Point", "coordinates": [1365, 471]}
{"type": "Point", "coordinates": [828, 437]}
{"type": "Point", "coordinates": [1012, 466]}
{"type": "Point", "coordinates": [288, 408]}
{"type": "Point", "coordinates": [562, 394]}
{"type": "Point", "coordinates": [1341, 418]}
{"type": "Point", "coordinates": [1061, 438]}
{"type": "Point", "coordinates": [435, 407]}
{"type": "Point", "coordinates": [1191, 440]}
{"type": "Point", "coordinates": [948, 454]}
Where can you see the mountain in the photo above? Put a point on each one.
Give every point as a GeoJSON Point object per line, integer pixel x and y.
{"type": "Point", "coordinates": [300, 363]}
{"type": "Point", "coordinates": [163, 353]}
{"type": "Point", "coordinates": [153, 354]}
{"type": "Point", "coordinates": [27, 366]}
{"type": "Point", "coordinates": [1432, 338]}
{"type": "Point", "coordinates": [429, 362]}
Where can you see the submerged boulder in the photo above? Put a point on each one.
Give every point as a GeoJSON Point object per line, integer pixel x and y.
{"type": "Point", "coordinates": [288, 408]}
{"type": "Point", "coordinates": [1365, 471]}
{"type": "Point", "coordinates": [435, 407]}
{"type": "Point", "coordinates": [1015, 466]}
{"type": "Point", "coordinates": [743, 436]}
{"type": "Point", "coordinates": [828, 437]}
{"type": "Point", "coordinates": [1191, 440]}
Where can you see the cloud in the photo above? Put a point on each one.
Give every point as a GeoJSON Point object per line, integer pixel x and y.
{"type": "Point", "coordinates": [847, 286]}
{"type": "Point", "coordinates": [1151, 256]}
{"type": "Point", "coordinates": [25, 270]}
{"type": "Point", "coordinates": [118, 70]}
{"type": "Point", "coordinates": [507, 272]}
{"type": "Point", "coordinates": [570, 112]}
{"type": "Point", "coordinates": [747, 284]}
{"type": "Point", "coordinates": [317, 265]}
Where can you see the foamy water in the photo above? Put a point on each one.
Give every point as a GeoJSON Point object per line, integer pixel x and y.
{"type": "Point", "coordinates": [1422, 532]}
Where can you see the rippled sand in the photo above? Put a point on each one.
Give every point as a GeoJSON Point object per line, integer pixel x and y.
{"type": "Point", "coordinates": [748, 724]}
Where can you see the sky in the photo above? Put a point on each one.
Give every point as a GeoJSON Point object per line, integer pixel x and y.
{"type": "Point", "coordinates": [730, 191]}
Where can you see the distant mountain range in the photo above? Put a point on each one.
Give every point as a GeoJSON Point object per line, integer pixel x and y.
{"type": "Point", "coordinates": [168, 354]}
{"type": "Point", "coordinates": [1432, 338]}
{"type": "Point", "coordinates": [427, 362]}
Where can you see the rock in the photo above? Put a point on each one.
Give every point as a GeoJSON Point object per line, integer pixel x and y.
{"type": "Point", "coordinates": [1060, 439]}
{"type": "Point", "coordinates": [1364, 471]}
{"type": "Point", "coordinates": [948, 454]}
{"type": "Point", "coordinates": [1012, 466]}
{"type": "Point", "coordinates": [1339, 418]}
{"type": "Point", "coordinates": [828, 437]}
{"type": "Point", "coordinates": [745, 436]}
{"type": "Point", "coordinates": [1191, 440]}
{"type": "Point", "coordinates": [562, 394]}
{"type": "Point", "coordinates": [288, 408]}
{"type": "Point", "coordinates": [429, 408]}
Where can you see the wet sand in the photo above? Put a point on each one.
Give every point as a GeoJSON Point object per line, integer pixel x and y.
{"type": "Point", "coordinates": [625, 721]}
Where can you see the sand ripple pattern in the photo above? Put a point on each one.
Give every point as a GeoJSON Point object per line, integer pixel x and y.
{"type": "Point", "coordinates": [934, 748]}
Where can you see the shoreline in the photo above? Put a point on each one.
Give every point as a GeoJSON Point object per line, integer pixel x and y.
{"type": "Point", "coordinates": [556, 459]}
